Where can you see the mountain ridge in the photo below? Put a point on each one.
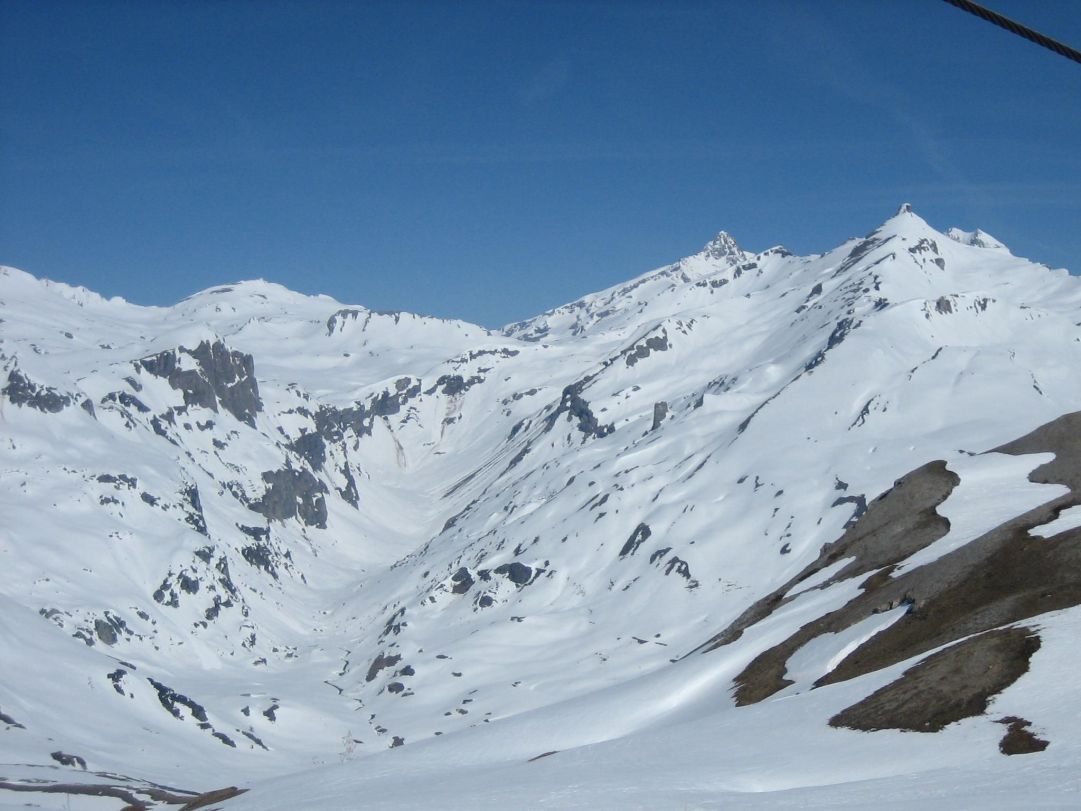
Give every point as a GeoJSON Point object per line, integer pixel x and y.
{"type": "Point", "coordinates": [406, 530]}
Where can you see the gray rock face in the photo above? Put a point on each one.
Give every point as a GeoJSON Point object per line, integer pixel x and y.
{"type": "Point", "coordinates": [349, 493]}
{"type": "Point", "coordinates": [292, 493]}
{"type": "Point", "coordinates": [312, 448]}
{"type": "Point", "coordinates": [22, 391]}
{"type": "Point", "coordinates": [517, 573]}
{"type": "Point", "coordinates": [334, 423]}
{"type": "Point", "coordinates": [660, 411]}
{"type": "Point", "coordinates": [65, 759]}
{"type": "Point", "coordinates": [455, 384]}
{"type": "Point", "coordinates": [641, 533]}
{"type": "Point", "coordinates": [105, 632]}
{"type": "Point", "coordinates": [463, 581]}
{"type": "Point", "coordinates": [223, 376]}
{"type": "Point", "coordinates": [723, 246]}
{"type": "Point", "coordinates": [643, 349]}
{"type": "Point", "coordinates": [574, 405]}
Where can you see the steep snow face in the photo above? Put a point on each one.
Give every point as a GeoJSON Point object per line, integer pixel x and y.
{"type": "Point", "coordinates": [259, 530]}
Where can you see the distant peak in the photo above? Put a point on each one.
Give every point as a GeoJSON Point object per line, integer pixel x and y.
{"type": "Point", "coordinates": [977, 239]}
{"type": "Point", "coordinates": [904, 222]}
{"type": "Point", "coordinates": [723, 246]}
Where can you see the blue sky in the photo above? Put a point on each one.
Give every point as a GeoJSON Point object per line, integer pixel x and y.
{"type": "Point", "coordinates": [488, 161]}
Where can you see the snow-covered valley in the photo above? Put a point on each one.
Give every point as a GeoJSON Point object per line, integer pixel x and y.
{"type": "Point", "coordinates": [752, 530]}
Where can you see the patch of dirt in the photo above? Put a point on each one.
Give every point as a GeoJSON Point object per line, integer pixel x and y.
{"type": "Point", "coordinates": [896, 525]}
{"type": "Point", "coordinates": [1019, 740]}
{"type": "Point", "coordinates": [216, 796]}
{"type": "Point", "coordinates": [947, 686]}
{"type": "Point", "coordinates": [1001, 578]}
{"type": "Point", "coordinates": [138, 795]}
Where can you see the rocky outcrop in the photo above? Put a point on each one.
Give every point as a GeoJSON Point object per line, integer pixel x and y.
{"type": "Point", "coordinates": [22, 391]}
{"type": "Point", "coordinates": [293, 493]}
{"type": "Point", "coordinates": [576, 408]}
{"type": "Point", "coordinates": [221, 376]}
{"type": "Point", "coordinates": [952, 684]}
{"type": "Point", "coordinates": [974, 592]}
{"type": "Point", "coordinates": [335, 423]}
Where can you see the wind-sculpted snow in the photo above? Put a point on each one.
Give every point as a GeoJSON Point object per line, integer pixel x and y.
{"type": "Point", "coordinates": [259, 532]}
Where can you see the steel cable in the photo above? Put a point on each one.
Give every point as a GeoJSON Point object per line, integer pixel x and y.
{"type": "Point", "coordinates": [1017, 28]}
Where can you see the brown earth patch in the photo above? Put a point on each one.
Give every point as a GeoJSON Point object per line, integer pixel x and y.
{"type": "Point", "coordinates": [130, 793]}
{"type": "Point", "coordinates": [947, 686]}
{"type": "Point", "coordinates": [896, 525]}
{"type": "Point", "coordinates": [1000, 578]}
{"type": "Point", "coordinates": [1019, 740]}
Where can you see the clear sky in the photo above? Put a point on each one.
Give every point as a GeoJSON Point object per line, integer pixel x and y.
{"type": "Point", "coordinates": [488, 161]}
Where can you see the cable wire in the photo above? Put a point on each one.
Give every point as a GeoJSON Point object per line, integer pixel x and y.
{"type": "Point", "coordinates": [1017, 28]}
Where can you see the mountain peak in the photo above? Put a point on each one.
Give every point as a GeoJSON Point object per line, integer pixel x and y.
{"type": "Point", "coordinates": [905, 221]}
{"type": "Point", "coordinates": [723, 246]}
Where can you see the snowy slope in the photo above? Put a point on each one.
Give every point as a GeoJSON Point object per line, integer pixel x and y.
{"type": "Point", "coordinates": [261, 537]}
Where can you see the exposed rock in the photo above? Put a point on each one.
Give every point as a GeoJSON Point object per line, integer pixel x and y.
{"type": "Point", "coordinates": [641, 533]}
{"type": "Point", "coordinates": [660, 411]}
{"type": "Point", "coordinates": [463, 581]}
{"type": "Point", "coordinates": [68, 760]}
{"type": "Point", "coordinates": [840, 332]}
{"type": "Point", "coordinates": [120, 479]}
{"type": "Point", "coordinates": [126, 400]}
{"type": "Point", "coordinates": [947, 686]}
{"type": "Point", "coordinates": [212, 797]}
{"type": "Point", "coordinates": [337, 319]}
{"type": "Point", "coordinates": [349, 493]}
{"type": "Point", "coordinates": [11, 722]}
{"type": "Point", "coordinates": [291, 493]}
{"type": "Point", "coordinates": [381, 661]}
{"type": "Point", "coordinates": [261, 557]}
{"type": "Point", "coordinates": [1019, 740]}
{"type": "Point", "coordinates": [105, 632]}
{"type": "Point", "coordinates": [455, 384]}
{"type": "Point", "coordinates": [642, 349]}
{"type": "Point", "coordinates": [574, 405]}
{"type": "Point", "coordinates": [860, 503]}
{"type": "Point", "coordinates": [223, 376]}
{"type": "Point", "coordinates": [518, 573]}
{"type": "Point", "coordinates": [898, 523]}
{"type": "Point", "coordinates": [117, 679]}
{"type": "Point", "coordinates": [334, 423]}
{"type": "Point", "coordinates": [543, 755]}
{"type": "Point", "coordinates": [194, 509]}
{"type": "Point", "coordinates": [1003, 577]}
{"type": "Point", "coordinates": [22, 391]}
{"type": "Point", "coordinates": [251, 736]}
{"type": "Point", "coordinates": [170, 699]}
{"type": "Point", "coordinates": [723, 247]}
{"type": "Point", "coordinates": [165, 594]}
{"type": "Point", "coordinates": [312, 448]}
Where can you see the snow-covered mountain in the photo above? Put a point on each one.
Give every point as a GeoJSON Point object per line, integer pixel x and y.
{"type": "Point", "coordinates": [750, 530]}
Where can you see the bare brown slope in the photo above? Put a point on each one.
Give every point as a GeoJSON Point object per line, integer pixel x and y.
{"type": "Point", "coordinates": [1000, 578]}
